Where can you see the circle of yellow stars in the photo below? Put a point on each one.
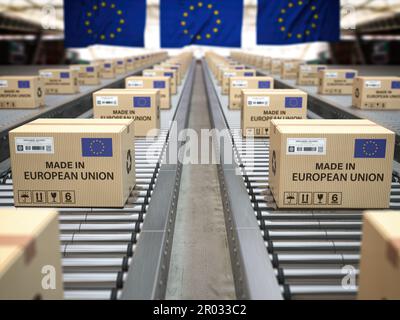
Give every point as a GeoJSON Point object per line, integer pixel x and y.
{"type": "Point", "coordinates": [96, 8]}
{"type": "Point", "coordinates": [368, 145]}
{"type": "Point", "coordinates": [291, 5]}
{"type": "Point", "coordinates": [191, 10]}
{"type": "Point", "coordinates": [97, 142]}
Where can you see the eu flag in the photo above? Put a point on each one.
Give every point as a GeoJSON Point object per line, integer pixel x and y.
{"type": "Point", "coordinates": [141, 102]}
{"type": "Point", "coordinates": [97, 147]}
{"type": "Point", "coordinates": [112, 22]}
{"type": "Point", "coordinates": [295, 21]}
{"type": "Point", "coordinates": [370, 148]}
{"type": "Point", "coordinates": [201, 22]}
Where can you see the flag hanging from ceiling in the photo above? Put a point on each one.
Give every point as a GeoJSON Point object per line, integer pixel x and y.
{"type": "Point", "coordinates": [112, 22]}
{"type": "Point", "coordinates": [201, 22]}
{"type": "Point", "coordinates": [296, 21]}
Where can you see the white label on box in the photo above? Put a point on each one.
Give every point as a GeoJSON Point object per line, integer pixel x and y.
{"type": "Point", "coordinates": [134, 84]}
{"type": "Point", "coordinates": [258, 101]}
{"type": "Point", "coordinates": [229, 74]}
{"type": "Point", "coordinates": [331, 74]}
{"type": "Point", "coordinates": [76, 68]}
{"type": "Point", "coordinates": [46, 74]}
{"type": "Point", "coordinates": [107, 101]}
{"type": "Point", "coordinates": [149, 74]}
{"type": "Point", "coordinates": [240, 84]}
{"type": "Point", "coordinates": [34, 145]}
{"type": "Point", "coordinates": [373, 84]}
{"type": "Point", "coordinates": [306, 68]}
{"type": "Point", "coordinates": [306, 146]}
{"type": "Point", "coordinates": [288, 65]}
{"type": "Point", "coordinates": [3, 83]}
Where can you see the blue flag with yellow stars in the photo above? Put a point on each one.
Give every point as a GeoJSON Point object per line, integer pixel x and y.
{"type": "Point", "coordinates": [111, 22]}
{"type": "Point", "coordinates": [201, 22]}
{"type": "Point", "coordinates": [296, 21]}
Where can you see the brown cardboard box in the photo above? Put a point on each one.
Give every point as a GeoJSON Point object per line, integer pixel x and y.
{"type": "Point", "coordinates": [21, 92]}
{"type": "Point", "coordinates": [172, 67]}
{"type": "Point", "coordinates": [308, 74]}
{"type": "Point", "coordinates": [266, 64]}
{"type": "Point", "coordinates": [59, 81]}
{"type": "Point", "coordinates": [88, 75]}
{"type": "Point", "coordinates": [234, 73]}
{"type": "Point", "coordinates": [330, 164]}
{"type": "Point", "coordinates": [237, 84]}
{"type": "Point", "coordinates": [160, 83]}
{"type": "Point", "coordinates": [276, 66]}
{"type": "Point", "coordinates": [107, 69]}
{"type": "Point", "coordinates": [30, 260]}
{"type": "Point", "coordinates": [261, 106]}
{"type": "Point", "coordinates": [336, 82]}
{"type": "Point", "coordinates": [381, 93]}
{"type": "Point", "coordinates": [290, 69]}
{"type": "Point", "coordinates": [143, 106]}
{"type": "Point", "coordinates": [129, 64]}
{"type": "Point", "coordinates": [120, 66]}
{"type": "Point", "coordinates": [380, 256]}
{"type": "Point", "coordinates": [164, 73]}
{"type": "Point", "coordinates": [225, 67]}
{"type": "Point", "coordinates": [56, 165]}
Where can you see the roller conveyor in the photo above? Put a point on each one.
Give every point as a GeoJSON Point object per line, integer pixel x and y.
{"type": "Point", "coordinates": [307, 253]}
{"type": "Point", "coordinates": [99, 245]}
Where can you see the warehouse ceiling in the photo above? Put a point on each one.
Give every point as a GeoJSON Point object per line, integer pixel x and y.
{"type": "Point", "coordinates": [49, 14]}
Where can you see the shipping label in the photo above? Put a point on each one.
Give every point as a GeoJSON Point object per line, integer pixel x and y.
{"type": "Point", "coordinates": [258, 101]}
{"type": "Point", "coordinates": [306, 146]}
{"type": "Point", "coordinates": [107, 101]}
{"type": "Point", "coordinates": [34, 145]}
{"type": "Point", "coordinates": [134, 84]}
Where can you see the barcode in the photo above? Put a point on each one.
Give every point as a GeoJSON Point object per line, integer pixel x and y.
{"type": "Point", "coordinates": [310, 149]}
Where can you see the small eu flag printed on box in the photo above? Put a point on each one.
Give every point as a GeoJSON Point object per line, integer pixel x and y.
{"type": "Point", "coordinates": [141, 102]}
{"type": "Point", "coordinates": [97, 147]}
{"type": "Point", "coordinates": [395, 84]}
{"type": "Point", "coordinates": [64, 75]}
{"type": "Point", "coordinates": [370, 148]}
{"type": "Point", "coordinates": [107, 65]}
{"type": "Point", "coordinates": [168, 74]}
{"type": "Point", "coordinates": [350, 75]}
{"type": "Point", "coordinates": [159, 84]}
{"type": "Point", "coordinates": [24, 84]}
{"type": "Point", "coordinates": [248, 74]}
{"type": "Point", "coordinates": [293, 102]}
{"type": "Point", "coordinates": [89, 69]}
{"type": "Point", "coordinates": [264, 84]}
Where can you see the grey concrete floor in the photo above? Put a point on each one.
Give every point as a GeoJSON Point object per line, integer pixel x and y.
{"type": "Point", "coordinates": [200, 265]}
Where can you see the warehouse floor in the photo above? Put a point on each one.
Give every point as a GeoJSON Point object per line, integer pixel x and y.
{"type": "Point", "coordinates": [200, 263]}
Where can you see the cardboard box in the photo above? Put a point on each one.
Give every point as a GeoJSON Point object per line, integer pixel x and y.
{"type": "Point", "coordinates": [88, 75]}
{"type": "Point", "coordinates": [308, 74]}
{"type": "Point", "coordinates": [30, 259]}
{"type": "Point", "coordinates": [143, 106]}
{"type": "Point", "coordinates": [120, 66]}
{"type": "Point", "coordinates": [228, 73]}
{"type": "Point", "coordinates": [379, 93]}
{"type": "Point", "coordinates": [330, 164]}
{"type": "Point", "coordinates": [336, 82]}
{"type": "Point", "coordinates": [164, 73]}
{"type": "Point", "coordinates": [276, 66]}
{"type": "Point", "coordinates": [21, 92]}
{"type": "Point", "coordinates": [237, 84]}
{"type": "Point", "coordinates": [225, 67]}
{"type": "Point", "coordinates": [290, 69]}
{"type": "Point", "coordinates": [172, 67]}
{"type": "Point", "coordinates": [380, 256]}
{"type": "Point", "coordinates": [54, 165]}
{"type": "Point", "coordinates": [107, 69]}
{"type": "Point", "coordinates": [261, 106]}
{"type": "Point", "coordinates": [129, 64]}
{"type": "Point", "coordinates": [60, 81]}
{"type": "Point", "coordinates": [160, 83]}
